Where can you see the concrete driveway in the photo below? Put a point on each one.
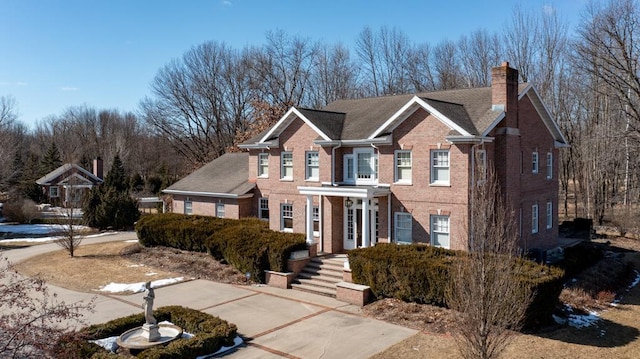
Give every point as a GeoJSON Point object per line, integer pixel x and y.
{"type": "Point", "coordinates": [275, 323]}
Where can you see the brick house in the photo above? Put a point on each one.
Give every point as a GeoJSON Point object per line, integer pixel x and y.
{"type": "Point", "coordinates": [398, 168]}
{"type": "Point", "coordinates": [67, 184]}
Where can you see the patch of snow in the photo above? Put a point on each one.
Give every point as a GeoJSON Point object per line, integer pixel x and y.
{"type": "Point", "coordinates": [635, 281]}
{"type": "Point", "coordinates": [135, 265]}
{"type": "Point", "coordinates": [36, 228]}
{"type": "Point", "coordinates": [151, 273]}
{"type": "Point", "coordinates": [131, 241]}
{"type": "Point", "coordinates": [580, 321]}
{"type": "Point", "coordinates": [559, 320]}
{"type": "Point", "coordinates": [237, 341]}
{"type": "Point", "coordinates": [138, 287]}
{"type": "Point", "coordinates": [50, 239]}
{"type": "Point", "coordinates": [108, 343]}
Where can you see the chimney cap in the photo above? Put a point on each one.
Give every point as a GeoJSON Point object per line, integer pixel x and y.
{"type": "Point", "coordinates": [505, 64]}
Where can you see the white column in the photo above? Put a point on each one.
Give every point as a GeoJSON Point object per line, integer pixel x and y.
{"type": "Point", "coordinates": [366, 216]}
{"type": "Point", "coordinates": [309, 219]}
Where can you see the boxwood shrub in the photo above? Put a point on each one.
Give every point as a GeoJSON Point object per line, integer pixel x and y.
{"type": "Point", "coordinates": [419, 273]}
{"type": "Point", "coordinates": [210, 334]}
{"type": "Point", "coordinates": [247, 244]}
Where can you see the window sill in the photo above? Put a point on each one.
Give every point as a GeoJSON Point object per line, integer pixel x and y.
{"type": "Point", "coordinates": [286, 179]}
{"type": "Point", "coordinates": [263, 176]}
{"type": "Point", "coordinates": [436, 184]}
{"type": "Point", "coordinates": [288, 230]}
{"type": "Point", "coordinates": [402, 183]}
{"type": "Point", "coordinates": [312, 180]}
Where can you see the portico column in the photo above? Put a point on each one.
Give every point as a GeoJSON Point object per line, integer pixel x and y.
{"type": "Point", "coordinates": [366, 232]}
{"type": "Point", "coordinates": [309, 219]}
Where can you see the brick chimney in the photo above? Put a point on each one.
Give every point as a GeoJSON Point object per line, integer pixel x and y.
{"type": "Point", "coordinates": [97, 168]}
{"type": "Point", "coordinates": [504, 93]}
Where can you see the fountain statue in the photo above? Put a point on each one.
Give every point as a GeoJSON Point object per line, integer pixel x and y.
{"type": "Point", "coordinates": [150, 333]}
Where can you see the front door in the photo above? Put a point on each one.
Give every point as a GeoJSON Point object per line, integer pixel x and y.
{"type": "Point", "coordinates": [353, 224]}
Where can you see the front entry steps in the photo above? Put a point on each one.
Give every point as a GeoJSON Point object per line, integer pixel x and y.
{"type": "Point", "coordinates": [321, 275]}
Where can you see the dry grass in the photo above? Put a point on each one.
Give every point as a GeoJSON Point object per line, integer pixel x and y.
{"type": "Point", "coordinates": [93, 266]}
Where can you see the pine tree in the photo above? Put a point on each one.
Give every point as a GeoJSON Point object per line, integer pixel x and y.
{"type": "Point", "coordinates": [117, 177]}
{"type": "Point", "coordinates": [51, 160]}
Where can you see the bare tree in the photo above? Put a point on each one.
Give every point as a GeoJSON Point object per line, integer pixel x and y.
{"type": "Point", "coordinates": [445, 64]}
{"type": "Point", "coordinates": [484, 287]}
{"type": "Point", "coordinates": [334, 77]}
{"type": "Point", "coordinates": [31, 317]}
{"type": "Point", "coordinates": [71, 238]}
{"type": "Point", "coordinates": [478, 54]}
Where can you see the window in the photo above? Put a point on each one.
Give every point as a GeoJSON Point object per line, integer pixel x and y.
{"type": "Point", "coordinates": [316, 221]}
{"type": "Point", "coordinates": [312, 169]}
{"type": "Point", "coordinates": [534, 218]}
{"type": "Point", "coordinates": [481, 165]}
{"type": "Point", "coordinates": [440, 167]}
{"type": "Point", "coordinates": [403, 166]}
{"type": "Point", "coordinates": [366, 165]}
{"type": "Point", "coordinates": [549, 165]}
{"type": "Point", "coordinates": [534, 160]}
{"type": "Point", "coordinates": [349, 172]}
{"type": "Point", "coordinates": [549, 215]}
{"type": "Point", "coordinates": [403, 227]}
{"type": "Point", "coordinates": [263, 204]}
{"type": "Point", "coordinates": [440, 231]}
{"type": "Point", "coordinates": [286, 214]}
{"type": "Point", "coordinates": [220, 210]}
{"type": "Point", "coordinates": [188, 206]}
{"type": "Point", "coordinates": [263, 165]}
{"type": "Point", "coordinates": [286, 165]}
{"type": "Point", "coordinates": [54, 191]}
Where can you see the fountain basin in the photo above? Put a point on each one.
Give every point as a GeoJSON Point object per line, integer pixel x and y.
{"type": "Point", "coordinates": [133, 338]}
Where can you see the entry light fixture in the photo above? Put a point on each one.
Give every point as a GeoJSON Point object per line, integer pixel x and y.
{"type": "Point", "coordinates": [348, 203]}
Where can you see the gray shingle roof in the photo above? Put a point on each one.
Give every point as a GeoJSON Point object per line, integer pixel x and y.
{"type": "Point", "coordinates": [227, 174]}
{"type": "Point", "coordinates": [53, 176]}
{"type": "Point", "coordinates": [330, 123]}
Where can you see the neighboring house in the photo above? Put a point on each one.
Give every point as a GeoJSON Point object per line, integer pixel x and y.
{"type": "Point", "coordinates": [399, 168]}
{"type": "Point", "coordinates": [67, 184]}
{"type": "Point", "coordinates": [220, 188]}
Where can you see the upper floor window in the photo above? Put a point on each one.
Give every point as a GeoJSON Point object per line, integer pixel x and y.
{"type": "Point", "coordinates": [403, 166]}
{"type": "Point", "coordinates": [403, 227]}
{"type": "Point", "coordinates": [440, 231]}
{"type": "Point", "coordinates": [263, 204]}
{"type": "Point", "coordinates": [188, 206]}
{"type": "Point", "coordinates": [312, 168]}
{"type": "Point", "coordinates": [361, 167]}
{"type": "Point", "coordinates": [549, 165]}
{"type": "Point", "coordinates": [440, 167]}
{"type": "Point", "coordinates": [220, 210]}
{"type": "Point", "coordinates": [286, 165]}
{"type": "Point", "coordinates": [263, 165]}
{"type": "Point", "coordinates": [54, 191]}
{"type": "Point", "coordinates": [481, 165]}
{"type": "Point", "coordinates": [286, 215]}
{"type": "Point", "coordinates": [534, 218]}
{"type": "Point", "coordinates": [534, 160]}
{"type": "Point", "coordinates": [549, 215]}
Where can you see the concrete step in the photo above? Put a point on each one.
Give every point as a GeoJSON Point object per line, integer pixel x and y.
{"type": "Point", "coordinates": [322, 273]}
{"type": "Point", "coordinates": [320, 277]}
{"type": "Point", "coordinates": [314, 289]}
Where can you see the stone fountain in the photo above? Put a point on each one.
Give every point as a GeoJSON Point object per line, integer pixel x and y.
{"type": "Point", "coordinates": [150, 333]}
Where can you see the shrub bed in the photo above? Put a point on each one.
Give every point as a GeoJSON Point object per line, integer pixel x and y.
{"type": "Point", "coordinates": [419, 273]}
{"type": "Point", "coordinates": [247, 244]}
{"type": "Point", "coordinates": [210, 334]}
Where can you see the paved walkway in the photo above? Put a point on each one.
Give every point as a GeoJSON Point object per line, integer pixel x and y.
{"type": "Point", "coordinates": [276, 323]}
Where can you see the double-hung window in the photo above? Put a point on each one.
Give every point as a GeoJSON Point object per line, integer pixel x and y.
{"type": "Point", "coordinates": [534, 218]}
{"type": "Point", "coordinates": [440, 231]}
{"type": "Point", "coordinates": [534, 162]}
{"type": "Point", "coordinates": [549, 165]}
{"type": "Point", "coordinates": [403, 227]}
{"type": "Point", "coordinates": [403, 167]}
{"type": "Point", "coordinates": [440, 167]}
{"type": "Point", "coordinates": [263, 204]}
{"type": "Point", "coordinates": [220, 210]}
{"type": "Point", "coordinates": [349, 169]}
{"type": "Point", "coordinates": [263, 165]}
{"type": "Point", "coordinates": [54, 191]}
{"type": "Point", "coordinates": [312, 169]}
{"type": "Point", "coordinates": [549, 215]}
{"type": "Point", "coordinates": [286, 166]}
{"type": "Point", "coordinates": [188, 206]}
{"type": "Point", "coordinates": [286, 215]}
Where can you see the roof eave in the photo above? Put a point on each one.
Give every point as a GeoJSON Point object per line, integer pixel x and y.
{"type": "Point", "coordinates": [460, 140]}
{"type": "Point", "coordinates": [208, 194]}
{"type": "Point", "coordinates": [261, 145]}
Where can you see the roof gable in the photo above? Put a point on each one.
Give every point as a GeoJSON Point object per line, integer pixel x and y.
{"type": "Point", "coordinates": [67, 170]}
{"type": "Point", "coordinates": [313, 121]}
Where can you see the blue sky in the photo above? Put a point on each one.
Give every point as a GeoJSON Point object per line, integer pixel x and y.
{"type": "Point", "coordinates": [55, 54]}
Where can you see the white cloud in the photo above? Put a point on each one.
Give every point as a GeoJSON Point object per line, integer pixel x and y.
{"type": "Point", "coordinates": [227, 3]}
{"type": "Point", "coordinates": [21, 83]}
{"type": "Point", "coordinates": [68, 88]}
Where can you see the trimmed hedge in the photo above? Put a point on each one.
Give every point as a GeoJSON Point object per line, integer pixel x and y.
{"type": "Point", "coordinates": [247, 244]}
{"type": "Point", "coordinates": [210, 334]}
{"type": "Point", "coordinates": [419, 273]}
